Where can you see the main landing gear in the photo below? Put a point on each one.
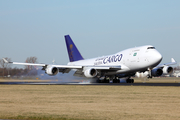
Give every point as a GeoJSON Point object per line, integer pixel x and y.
{"type": "Point", "coordinates": [109, 80]}
{"type": "Point", "coordinates": [130, 80]}
{"type": "Point", "coordinates": [114, 79]}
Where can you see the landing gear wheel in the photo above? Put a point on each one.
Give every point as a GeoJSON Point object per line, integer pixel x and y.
{"type": "Point", "coordinates": [116, 81]}
{"type": "Point", "coordinates": [106, 81]}
{"type": "Point", "coordinates": [130, 80]}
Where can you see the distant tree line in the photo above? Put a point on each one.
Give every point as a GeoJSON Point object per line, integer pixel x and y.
{"type": "Point", "coordinates": [6, 69]}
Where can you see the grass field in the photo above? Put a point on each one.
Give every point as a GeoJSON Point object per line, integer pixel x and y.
{"type": "Point", "coordinates": [78, 102]}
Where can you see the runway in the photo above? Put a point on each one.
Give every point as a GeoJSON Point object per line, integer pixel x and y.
{"type": "Point", "coordinates": [77, 83]}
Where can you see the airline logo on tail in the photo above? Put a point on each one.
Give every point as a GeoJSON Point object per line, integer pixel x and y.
{"type": "Point", "coordinates": [71, 46]}
{"type": "Point", "coordinates": [73, 52]}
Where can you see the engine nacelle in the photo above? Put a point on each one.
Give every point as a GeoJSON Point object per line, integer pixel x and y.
{"type": "Point", "coordinates": [52, 70]}
{"type": "Point", "coordinates": [156, 72]}
{"type": "Point", "coordinates": [90, 73]}
{"type": "Point", "coordinates": [167, 70]}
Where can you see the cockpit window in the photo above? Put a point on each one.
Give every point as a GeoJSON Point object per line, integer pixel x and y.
{"type": "Point", "coordinates": [151, 48]}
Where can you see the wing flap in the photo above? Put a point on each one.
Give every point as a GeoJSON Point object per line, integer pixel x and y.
{"type": "Point", "coordinates": [68, 66]}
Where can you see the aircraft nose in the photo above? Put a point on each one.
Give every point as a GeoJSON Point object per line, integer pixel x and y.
{"type": "Point", "coordinates": [158, 57]}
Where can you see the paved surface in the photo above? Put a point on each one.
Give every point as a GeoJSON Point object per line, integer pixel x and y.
{"type": "Point", "coordinates": [112, 84]}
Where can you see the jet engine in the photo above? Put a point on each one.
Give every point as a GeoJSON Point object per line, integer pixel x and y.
{"type": "Point", "coordinates": [167, 70]}
{"type": "Point", "coordinates": [52, 70]}
{"type": "Point", "coordinates": [90, 73]}
{"type": "Point", "coordinates": [156, 72]}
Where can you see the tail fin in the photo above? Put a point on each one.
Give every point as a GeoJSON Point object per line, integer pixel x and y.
{"type": "Point", "coordinates": [74, 54]}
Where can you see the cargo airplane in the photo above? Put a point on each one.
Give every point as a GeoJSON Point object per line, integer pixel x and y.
{"type": "Point", "coordinates": [124, 64]}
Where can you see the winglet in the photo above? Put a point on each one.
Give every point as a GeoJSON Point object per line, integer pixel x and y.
{"type": "Point", "coordinates": [172, 60]}
{"type": "Point", "coordinates": [5, 60]}
{"type": "Point", "coordinates": [74, 54]}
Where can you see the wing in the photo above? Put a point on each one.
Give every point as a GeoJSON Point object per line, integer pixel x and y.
{"type": "Point", "coordinates": [80, 70]}
{"type": "Point", "coordinates": [69, 66]}
{"type": "Point", "coordinates": [173, 62]}
{"type": "Point", "coordinates": [43, 65]}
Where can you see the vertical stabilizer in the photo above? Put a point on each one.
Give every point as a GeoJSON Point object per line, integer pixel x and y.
{"type": "Point", "coordinates": [74, 54]}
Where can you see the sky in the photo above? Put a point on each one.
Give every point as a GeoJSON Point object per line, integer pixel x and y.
{"type": "Point", "coordinates": [97, 27]}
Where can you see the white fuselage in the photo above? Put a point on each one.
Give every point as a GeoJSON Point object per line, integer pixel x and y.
{"type": "Point", "coordinates": [130, 60]}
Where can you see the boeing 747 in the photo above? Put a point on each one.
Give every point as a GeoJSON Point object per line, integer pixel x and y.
{"type": "Point", "coordinates": [123, 64]}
